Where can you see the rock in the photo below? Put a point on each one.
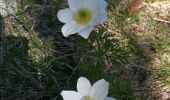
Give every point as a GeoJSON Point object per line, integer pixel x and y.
{"type": "Point", "coordinates": [8, 7]}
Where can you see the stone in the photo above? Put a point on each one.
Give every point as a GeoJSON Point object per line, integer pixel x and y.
{"type": "Point", "coordinates": [8, 7]}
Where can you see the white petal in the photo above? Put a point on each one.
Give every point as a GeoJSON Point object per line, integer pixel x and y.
{"type": "Point", "coordinates": [109, 98]}
{"type": "Point", "coordinates": [76, 4]}
{"type": "Point", "coordinates": [86, 32]}
{"type": "Point", "coordinates": [70, 95]}
{"type": "Point", "coordinates": [83, 86]}
{"type": "Point", "coordinates": [100, 14]}
{"type": "Point", "coordinates": [71, 28]}
{"type": "Point", "coordinates": [103, 4]}
{"type": "Point", "coordinates": [100, 19]}
{"type": "Point", "coordinates": [65, 15]}
{"type": "Point", "coordinates": [100, 7]}
{"type": "Point", "coordinates": [99, 90]}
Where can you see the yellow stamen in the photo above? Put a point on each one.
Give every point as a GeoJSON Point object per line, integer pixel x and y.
{"type": "Point", "coordinates": [88, 98]}
{"type": "Point", "coordinates": [83, 16]}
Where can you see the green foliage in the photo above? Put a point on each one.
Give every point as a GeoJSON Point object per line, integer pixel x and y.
{"type": "Point", "coordinates": [96, 55]}
{"type": "Point", "coordinates": [106, 49]}
{"type": "Point", "coordinates": [121, 88]}
{"type": "Point", "coordinates": [164, 49]}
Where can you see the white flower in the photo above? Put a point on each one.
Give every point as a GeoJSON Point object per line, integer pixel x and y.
{"type": "Point", "coordinates": [82, 16]}
{"type": "Point", "coordinates": [98, 91]}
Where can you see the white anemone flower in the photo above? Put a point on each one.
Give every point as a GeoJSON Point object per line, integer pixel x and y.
{"type": "Point", "coordinates": [82, 16]}
{"type": "Point", "coordinates": [98, 91]}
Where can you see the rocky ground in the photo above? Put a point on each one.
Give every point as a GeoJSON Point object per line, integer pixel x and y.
{"type": "Point", "coordinates": [153, 87]}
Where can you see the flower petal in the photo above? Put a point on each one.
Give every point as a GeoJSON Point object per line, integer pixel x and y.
{"type": "Point", "coordinates": [86, 32]}
{"type": "Point", "coordinates": [109, 98]}
{"type": "Point", "coordinates": [65, 15]}
{"type": "Point", "coordinates": [76, 4]}
{"type": "Point", "coordinates": [100, 14]}
{"type": "Point", "coordinates": [70, 95]}
{"type": "Point", "coordinates": [100, 7]}
{"type": "Point", "coordinates": [99, 90]}
{"type": "Point", "coordinates": [100, 19]}
{"type": "Point", "coordinates": [103, 4]}
{"type": "Point", "coordinates": [83, 86]}
{"type": "Point", "coordinates": [71, 28]}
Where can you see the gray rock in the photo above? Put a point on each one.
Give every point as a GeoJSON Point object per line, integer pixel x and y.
{"type": "Point", "coordinates": [8, 7]}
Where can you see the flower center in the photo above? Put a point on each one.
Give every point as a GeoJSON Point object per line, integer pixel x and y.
{"type": "Point", "coordinates": [83, 16]}
{"type": "Point", "coordinates": [88, 98]}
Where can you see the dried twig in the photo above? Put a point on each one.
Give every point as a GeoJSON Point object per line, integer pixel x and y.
{"type": "Point", "coordinates": [161, 20]}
